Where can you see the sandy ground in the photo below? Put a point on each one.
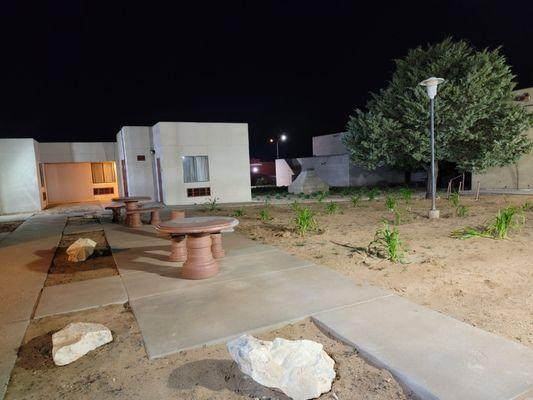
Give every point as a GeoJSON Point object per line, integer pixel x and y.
{"type": "Point", "coordinates": [485, 282]}
{"type": "Point", "coordinates": [99, 265]}
{"type": "Point", "coordinates": [121, 370]}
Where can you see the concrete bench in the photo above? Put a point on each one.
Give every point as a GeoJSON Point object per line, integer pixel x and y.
{"type": "Point", "coordinates": [135, 214]}
{"type": "Point", "coordinates": [116, 210]}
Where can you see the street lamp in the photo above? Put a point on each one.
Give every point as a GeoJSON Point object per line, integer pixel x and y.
{"type": "Point", "coordinates": [281, 138]}
{"type": "Point", "coordinates": [431, 86]}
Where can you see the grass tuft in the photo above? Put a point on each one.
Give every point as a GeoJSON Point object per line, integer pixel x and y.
{"type": "Point", "coordinates": [387, 244]}
{"type": "Point", "coordinates": [305, 221]}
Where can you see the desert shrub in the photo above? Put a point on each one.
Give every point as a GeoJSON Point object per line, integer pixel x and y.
{"type": "Point", "coordinates": [320, 196]}
{"type": "Point", "coordinates": [372, 193]}
{"type": "Point", "coordinates": [239, 212]}
{"type": "Point", "coordinates": [453, 199]}
{"type": "Point", "coordinates": [355, 199]}
{"type": "Point", "coordinates": [332, 208]}
{"type": "Point", "coordinates": [406, 194]}
{"type": "Point", "coordinates": [211, 205]}
{"type": "Point", "coordinates": [387, 244]}
{"type": "Point", "coordinates": [305, 221]}
{"type": "Point", "coordinates": [509, 219]}
{"type": "Point", "coordinates": [461, 210]}
{"type": "Point", "coordinates": [390, 203]}
{"type": "Point", "coordinates": [264, 215]}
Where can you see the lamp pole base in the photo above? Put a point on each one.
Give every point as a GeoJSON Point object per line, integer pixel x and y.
{"type": "Point", "coordinates": [433, 214]}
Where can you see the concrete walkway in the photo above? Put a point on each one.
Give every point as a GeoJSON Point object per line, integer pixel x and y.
{"type": "Point", "coordinates": [25, 257]}
{"type": "Point", "coordinates": [260, 287]}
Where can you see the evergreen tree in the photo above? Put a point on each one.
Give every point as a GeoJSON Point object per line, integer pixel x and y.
{"type": "Point", "coordinates": [477, 125]}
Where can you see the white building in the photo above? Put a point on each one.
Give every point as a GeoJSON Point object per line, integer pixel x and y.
{"type": "Point", "coordinates": [331, 162]}
{"type": "Point", "coordinates": [172, 162]}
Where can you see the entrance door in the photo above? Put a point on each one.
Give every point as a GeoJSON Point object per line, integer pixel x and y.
{"type": "Point", "coordinates": [159, 179]}
{"type": "Point", "coordinates": [124, 178]}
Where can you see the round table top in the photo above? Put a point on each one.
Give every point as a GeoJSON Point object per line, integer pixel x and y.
{"type": "Point", "coordinates": [127, 199]}
{"type": "Point", "coordinates": [197, 225]}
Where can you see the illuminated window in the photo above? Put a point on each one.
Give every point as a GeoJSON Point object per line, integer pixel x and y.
{"type": "Point", "coordinates": [103, 172]}
{"type": "Point", "coordinates": [198, 192]}
{"type": "Point", "coordinates": [195, 169]}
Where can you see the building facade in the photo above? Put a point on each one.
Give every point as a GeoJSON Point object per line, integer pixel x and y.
{"type": "Point", "coordinates": [172, 162]}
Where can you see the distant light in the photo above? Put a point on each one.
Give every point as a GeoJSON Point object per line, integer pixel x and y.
{"type": "Point", "coordinates": [255, 170]}
{"type": "Point", "coordinates": [283, 137]}
{"type": "Point", "coordinates": [271, 140]}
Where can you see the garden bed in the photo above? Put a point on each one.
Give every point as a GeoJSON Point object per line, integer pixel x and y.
{"type": "Point", "coordinates": [101, 264]}
{"type": "Point", "coordinates": [121, 370]}
{"type": "Point", "coordinates": [485, 282]}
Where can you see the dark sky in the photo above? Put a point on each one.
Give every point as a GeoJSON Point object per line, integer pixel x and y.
{"type": "Point", "coordinates": [78, 71]}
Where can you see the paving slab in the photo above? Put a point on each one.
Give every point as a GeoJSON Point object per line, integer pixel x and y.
{"type": "Point", "coordinates": [436, 356]}
{"type": "Point", "coordinates": [214, 313]}
{"type": "Point", "coordinates": [12, 335]}
{"type": "Point", "coordinates": [84, 228]}
{"type": "Point", "coordinates": [153, 280]}
{"type": "Point", "coordinates": [82, 295]}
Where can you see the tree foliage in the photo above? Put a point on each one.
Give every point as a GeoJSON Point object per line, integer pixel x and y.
{"type": "Point", "coordinates": [477, 125]}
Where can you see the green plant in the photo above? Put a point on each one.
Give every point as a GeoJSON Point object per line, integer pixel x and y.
{"type": "Point", "coordinates": [212, 205]}
{"type": "Point", "coordinates": [355, 199]}
{"type": "Point", "coordinates": [320, 196]}
{"type": "Point", "coordinates": [305, 221]}
{"type": "Point", "coordinates": [372, 194]}
{"type": "Point", "coordinates": [397, 216]}
{"type": "Point", "coordinates": [453, 199]}
{"type": "Point", "coordinates": [295, 205]}
{"type": "Point", "coordinates": [461, 210]}
{"type": "Point", "coordinates": [511, 218]}
{"type": "Point", "coordinates": [239, 212]}
{"type": "Point", "coordinates": [332, 207]}
{"type": "Point", "coordinates": [390, 203]}
{"type": "Point", "coordinates": [387, 244]}
{"type": "Point", "coordinates": [527, 206]}
{"type": "Point", "coordinates": [473, 134]}
{"type": "Point", "coordinates": [264, 215]}
{"type": "Point", "coordinates": [508, 219]}
{"type": "Point", "coordinates": [406, 194]}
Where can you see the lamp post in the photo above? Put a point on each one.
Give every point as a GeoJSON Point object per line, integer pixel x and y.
{"type": "Point", "coordinates": [431, 86]}
{"type": "Point", "coordinates": [281, 138]}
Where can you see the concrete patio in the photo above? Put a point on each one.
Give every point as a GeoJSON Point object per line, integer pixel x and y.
{"type": "Point", "coordinates": [258, 288]}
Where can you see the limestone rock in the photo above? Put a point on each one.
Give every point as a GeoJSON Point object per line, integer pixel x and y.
{"type": "Point", "coordinates": [76, 340]}
{"type": "Point", "coordinates": [299, 368]}
{"type": "Point", "coordinates": [308, 182]}
{"type": "Point", "coordinates": [81, 249]}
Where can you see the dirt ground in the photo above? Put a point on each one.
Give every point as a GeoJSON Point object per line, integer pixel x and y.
{"type": "Point", "coordinates": [99, 265]}
{"type": "Point", "coordinates": [485, 282]}
{"type": "Point", "coordinates": [9, 226]}
{"type": "Point", "coordinates": [121, 370]}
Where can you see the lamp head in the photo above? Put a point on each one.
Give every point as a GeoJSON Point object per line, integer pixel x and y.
{"type": "Point", "coordinates": [271, 140]}
{"type": "Point", "coordinates": [431, 86]}
{"type": "Point", "coordinates": [283, 137]}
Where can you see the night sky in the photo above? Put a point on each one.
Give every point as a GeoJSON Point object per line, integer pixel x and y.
{"type": "Point", "coordinates": [78, 71]}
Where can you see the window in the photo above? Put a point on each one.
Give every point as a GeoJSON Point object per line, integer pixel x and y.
{"type": "Point", "coordinates": [103, 172]}
{"type": "Point", "coordinates": [104, 190]}
{"type": "Point", "coordinates": [198, 192]}
{"type": "Point", "coordinates": [195, 169]}
{"type": "Point", "coordinates": [141, 158]}
{"type": "Point", "coordinates": [41, 174]}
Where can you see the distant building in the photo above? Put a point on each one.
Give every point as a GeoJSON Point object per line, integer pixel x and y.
{"type": "Point", "coordinates": [262, 172]}
{"type": "Point", "coordinates": [172, 162]}
{"type": "Point", "coordinates": [516, 176]}
{"type": "Point", "coordinates": [332, 164]}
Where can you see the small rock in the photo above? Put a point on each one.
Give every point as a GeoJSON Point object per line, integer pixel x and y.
{"type": "Point", "coordinates": [76, 340]}
{"type": "Point", "coordinates": [81, 249]}
{"type": "Point", "coordinates": [299, 368]}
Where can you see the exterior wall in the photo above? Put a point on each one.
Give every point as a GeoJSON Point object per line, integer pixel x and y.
{"type": "Point", "coordinates": [334, 170]}
{"type": "Point", "coordinates": [19, 184]}
{"type": "Point", "coordinates": [73, 182]}
{"type": "Point", "coordinates": [226, 146]}
{"type": "Point", "coordinates": [284, 173]}
{"type": "Point", "coordinates": [76, 152]}
{"type": "Point", "coordinates": [135, 141]}
{"type": "Point", "coordinates": [328, 145]}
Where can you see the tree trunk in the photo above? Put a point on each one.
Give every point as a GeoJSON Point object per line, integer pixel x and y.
{"type": "Point", "coordinates": [427, 168]}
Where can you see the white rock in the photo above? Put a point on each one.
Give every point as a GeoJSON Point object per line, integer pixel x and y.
{"type": "Point", "coordinates": [81, 249]}
{"type": "Point", "coordinates": [76, 340]}
{"type": "Point", "coordinates": [299, 368]}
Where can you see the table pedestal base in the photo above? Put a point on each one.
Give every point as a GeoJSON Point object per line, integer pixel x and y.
{"type": "Point", "coordinates": [178, 249]}
{"type": "Point", "coordinates": [200, 263]}
{"type": "Point", "coordinates": [135, 220]}
{"type": "Point", "coordinates": [216, 246]}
